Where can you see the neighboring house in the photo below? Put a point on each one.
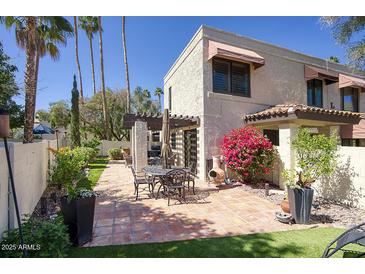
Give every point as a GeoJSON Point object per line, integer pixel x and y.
{"type": "Point", "coordinates": [229, 81]}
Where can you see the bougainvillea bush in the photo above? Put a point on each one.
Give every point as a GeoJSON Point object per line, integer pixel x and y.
{"type": "Point", "coordinates": [248, 153]}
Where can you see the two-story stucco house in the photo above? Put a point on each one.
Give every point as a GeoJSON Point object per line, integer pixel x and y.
{"type": "Point", "coordinates": [229, 81]}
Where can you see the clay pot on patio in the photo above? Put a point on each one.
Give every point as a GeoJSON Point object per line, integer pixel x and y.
{"type": "Point", "coordinates": [78, 215]}
{"type": "Point", "coordinates": [285, 206]}
{"type": "Point", "coordinates": [216, 174]}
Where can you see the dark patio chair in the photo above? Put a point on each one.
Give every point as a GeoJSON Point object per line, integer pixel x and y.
{"type": "Point", "coordinates": [174, 184]}
{"type": "Point", "coordinates": [171, 160]}
{"type": "Point", "coordinates": [191, 176]}
{"type": "Point", "coordinates": [354, 235]}
{"type": "Point", "coordinates": [141, 180]}
{"type": "Point", "coordinates": [127, 160]}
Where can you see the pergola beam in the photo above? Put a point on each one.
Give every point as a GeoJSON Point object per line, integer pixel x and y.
{"type": "Point", "coordinates": [154, 122]}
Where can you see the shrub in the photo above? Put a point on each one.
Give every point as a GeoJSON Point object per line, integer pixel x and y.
{"type": "Point", "coordinates": [316, 157]}
{"type": "Point", "coordinates": [44, 238]}
{"type": "Point", "coordinates": [115, 154]}
{"type": "Point", "coordinates": [248, 153]}
{"type": "Point", "coordinates": [68, 170]}
{"type": "Point", "coordinates": [94, 144]}
{"type": "Point", "coordinates": [84, 155]}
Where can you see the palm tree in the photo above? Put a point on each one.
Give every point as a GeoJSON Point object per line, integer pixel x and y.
{"type": "Point", "coordinates": [105, 110]}
{"type": "Point", "coordinates": [90, 25]}
{"type": "Point", "coordinates": [37, 36]}
{"type": "Point", "coordinates": [158, 93]}
{"type": "Point", "coordinates": [126, 66]}
{"type": "Point", "coordinates": [77, 59]}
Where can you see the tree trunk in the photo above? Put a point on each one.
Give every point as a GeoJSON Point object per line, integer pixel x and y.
{"type": "Point", "coordinates": [92, 63]}
{"type": "Point", "coordinates": [105, 109]}
{"type": "Point", "coordinates": [77, 59]}
{"type": "Point", "coordinates": [30, 80]}
{"type": "Point", "coordinates": [126, 66]}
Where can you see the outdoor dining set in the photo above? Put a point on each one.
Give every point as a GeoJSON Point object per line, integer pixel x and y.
{"type": "Point", "coordinates": [166, 182]}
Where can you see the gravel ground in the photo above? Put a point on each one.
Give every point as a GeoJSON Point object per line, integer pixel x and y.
{"type": "Point", "coordinates": [323, 211]}
{"type": "Point", "coordinates": [53, 196]}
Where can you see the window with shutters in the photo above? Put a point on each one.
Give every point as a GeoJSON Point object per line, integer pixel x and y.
{"type": "Point", "coordinates": [231, 77]}
{"type": "Point", "coordinates": [350, 99]}
{"type": "Point", "coordinates": [315, 93]}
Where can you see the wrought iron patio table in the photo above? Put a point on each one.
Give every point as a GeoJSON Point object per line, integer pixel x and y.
{"type": "Point", "coordinates": [160, 173]}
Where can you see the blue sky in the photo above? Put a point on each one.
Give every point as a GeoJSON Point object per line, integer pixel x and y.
{"type": "Point", "coordinates": [153, 45]}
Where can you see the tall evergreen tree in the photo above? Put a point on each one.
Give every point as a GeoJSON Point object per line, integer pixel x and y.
{"type": "Point", "coordinates": [75, 116]}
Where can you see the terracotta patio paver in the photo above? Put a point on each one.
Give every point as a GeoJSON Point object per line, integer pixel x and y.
{"type": "Point", "coordinates": [119, 219]}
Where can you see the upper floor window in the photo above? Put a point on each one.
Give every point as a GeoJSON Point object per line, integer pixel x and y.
{"type": "Point", "coordinates": [231, 77]}
{"type": "Point", "coordinates": [350, 99]}
{"type": "Point", "coordinates": [315, 93]}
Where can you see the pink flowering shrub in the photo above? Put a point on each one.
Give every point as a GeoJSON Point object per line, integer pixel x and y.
{"type": "Point", "coordinates": [248, 153]}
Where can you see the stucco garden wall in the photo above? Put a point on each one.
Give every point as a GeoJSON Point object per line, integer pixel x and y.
{"type": "Point", "coordinates": [347, 184]}
{"type": "Point", "coordinates": [106, 145]}
{"type": "Point", "coordinates": [30, 164]}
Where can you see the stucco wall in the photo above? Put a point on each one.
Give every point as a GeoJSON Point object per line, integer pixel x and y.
{"type": "Point", "coordinates": [347, 184]}
{"type": "Point", "coordinates": [3, 192]}
{"type": "Point", "coordinates": [30, 164]}
{"type": "Point", "coordinates": [186, 81]}
{"type": "Point", "coordinates": [106, 145]}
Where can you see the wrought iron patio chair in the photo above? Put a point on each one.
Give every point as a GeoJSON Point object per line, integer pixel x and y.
{"type": "Point", "coordinates": [141, 180]}
{"type": "Point", "coordinates": [171, 160]}
{"type": "Point", "coordinates": [174, 184]}
{"type": "Point", "coordinates": [191, 176]}
{"type": "Point", "coordinates": [354, 235]}
{"type": "Point", "coordinates": [127, 160]}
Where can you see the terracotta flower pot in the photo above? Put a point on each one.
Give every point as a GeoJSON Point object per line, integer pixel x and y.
{"type": "Point", "coordinates": [285, 206]}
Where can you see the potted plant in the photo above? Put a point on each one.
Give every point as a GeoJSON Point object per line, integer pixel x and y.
{"type": "Point", "coordinates": [78, 214]}
{"type": "Point", "coordinates": [78, 204]}
{"type": "Point", "coordinates": [316, 157]}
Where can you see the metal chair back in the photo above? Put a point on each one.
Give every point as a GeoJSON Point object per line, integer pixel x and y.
{"type": "Point", "coordinates": [175, 177]}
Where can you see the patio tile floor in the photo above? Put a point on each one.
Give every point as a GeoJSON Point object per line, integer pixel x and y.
{"type": "Point", "coordinates": [119, 219]}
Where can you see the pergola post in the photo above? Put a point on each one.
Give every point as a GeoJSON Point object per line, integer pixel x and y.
{"type": "Point", "coordinates": [287, 133]}
{"type": "Point", "coordinates": [139, 135]}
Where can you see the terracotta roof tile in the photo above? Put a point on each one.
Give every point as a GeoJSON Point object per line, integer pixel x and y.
{"type": "Point", "coordinates": [286, 109]}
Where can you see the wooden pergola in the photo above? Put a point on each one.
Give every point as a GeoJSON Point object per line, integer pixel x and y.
{"type": "Point", "coordinates": [154, 121]}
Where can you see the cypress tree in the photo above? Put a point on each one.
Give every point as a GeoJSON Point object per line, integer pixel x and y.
{"type": "Point", "coordinates": [75, 116]}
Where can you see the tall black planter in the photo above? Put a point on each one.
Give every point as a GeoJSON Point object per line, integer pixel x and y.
{"type": "Point", "coordinates": [300, 203]}
{"type": "Point", "coordinates": [79, 218]}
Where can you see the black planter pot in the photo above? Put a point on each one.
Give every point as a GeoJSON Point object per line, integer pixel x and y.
{"type": "Point", "coordinates": [78, 216]}
{"type": "Point", "coordinates": [300, 203]}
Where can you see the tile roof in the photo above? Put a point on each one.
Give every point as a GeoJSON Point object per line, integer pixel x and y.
{"type": "Point", "coordinates": [287, 109]}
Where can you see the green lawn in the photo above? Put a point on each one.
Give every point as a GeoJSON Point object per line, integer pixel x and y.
{"type": "Point", "coordinates": [96, 168]}
{"type": "Point", "coordinates": [306, 243]}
